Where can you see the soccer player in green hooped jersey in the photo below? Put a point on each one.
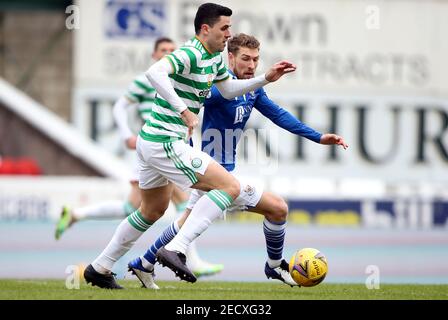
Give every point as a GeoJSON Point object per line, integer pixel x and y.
{"type": "Point", "coordinates": [182, 80]}
{"type": "Point", "coordinates": [141, 95]}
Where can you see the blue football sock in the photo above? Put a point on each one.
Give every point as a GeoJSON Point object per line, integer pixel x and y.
{"type": "Point", "coordinates": [274, 233]}
{"type": "Point", "coordinates": [167, 235]}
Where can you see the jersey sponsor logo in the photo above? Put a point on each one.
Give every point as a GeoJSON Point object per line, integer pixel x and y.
{"type": "Point", "coordinates": [204, 93]}
{"type": "Point", "coordinates": [135, 19]}
{"type": "Point", "coordinates": [196, 163]}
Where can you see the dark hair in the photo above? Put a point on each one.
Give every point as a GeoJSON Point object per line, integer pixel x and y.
{"type": "Point", "coordinates": [209, 13]}
{"type": "Point", "coordinates": [161, 40]}
{"type": "Point", "coordinates": [242, 40]}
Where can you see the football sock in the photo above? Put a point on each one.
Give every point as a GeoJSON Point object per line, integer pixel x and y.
{"type": "Point", "coordinates": [110, 209]}
{"type": "Point", "coordinates": [192, 252]}
{"type": "Point", "coordinates": [206, 210]}
{"type": "Point", "coordinates": [167, 235]}
{"type": "Point", "coordinates": [274, 233]}
{"type": "Point", "coordinates": [129, 230]}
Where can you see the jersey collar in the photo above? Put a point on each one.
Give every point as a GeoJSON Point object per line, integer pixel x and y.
{"type": "Point", "coordinates": [202, 45]}
{"type": "Point", "coordinates": [232, 74]}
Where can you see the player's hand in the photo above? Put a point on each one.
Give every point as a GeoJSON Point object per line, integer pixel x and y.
{"type": "Point", "coordinates": [279, 69]}
{"type": "Point", "coordinates": [191, 121]}
{"type": "Point", "coordinates": [331, 138]}
{"type": "Point", "coordinates": [131, 142]}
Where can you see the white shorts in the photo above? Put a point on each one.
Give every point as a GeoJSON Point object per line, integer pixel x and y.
{"type": "Point", "coordinates": [250, 195]}
{"type": "Point", "coordinates": [178, 162]}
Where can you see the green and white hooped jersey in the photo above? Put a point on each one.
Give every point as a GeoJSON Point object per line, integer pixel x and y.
{"type": "Point", "coordinates": [195, 71]}
{"type": "Point", "coordinates": [141, 92]}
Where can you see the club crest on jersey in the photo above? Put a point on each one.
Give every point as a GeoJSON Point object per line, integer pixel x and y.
{"type": "Point", "coordinates": [209, 80]}
{"type": "Point", "coordinates": [196, 163]}
{"type": "Point", "coordinates": [241, 112]}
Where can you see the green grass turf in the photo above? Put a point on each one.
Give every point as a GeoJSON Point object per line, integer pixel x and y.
{"type": "Point", "coordinates": [56, 290]}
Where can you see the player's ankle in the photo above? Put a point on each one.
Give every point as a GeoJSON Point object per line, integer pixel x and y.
{"type": "Point", "coordinates": [100, 269]}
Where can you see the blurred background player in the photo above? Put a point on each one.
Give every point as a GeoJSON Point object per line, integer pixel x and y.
{"type": "Point", "coordinates": [222, 114]}
{"type": "Point", "coordinates": [140, 94]}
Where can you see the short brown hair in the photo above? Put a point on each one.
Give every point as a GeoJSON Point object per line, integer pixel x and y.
{"type": "Point", "coordinates": [161, 40]}
{"type": "Point", "coordinates": [242, 40]}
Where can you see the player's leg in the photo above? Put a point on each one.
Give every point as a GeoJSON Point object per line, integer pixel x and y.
{"type": "Point", "coordinates": [146, 261]}
{"type": "Point", "coordinates": [143, 266]}
{"type": "Point", "coordinates": [155, 199]}
{"type": "Point", "coordinates": [275, 211]}
{"type": "Point", "coordinates": [168, 234]}
{"type": "Point", "coordinates": [154, 203]}
{"type": "Point", "coordinates": [222, 189]}
{"type": "Point", "coordinates": [205, 174]}
{"type": "Point", "coordinates": [112, 209]}
{"type": "Point", "coordinates": [151, 210]}
{"type": "Point", "coordinates": [106, 210]}
{"type": "Point", "coordinates": [197, 265]}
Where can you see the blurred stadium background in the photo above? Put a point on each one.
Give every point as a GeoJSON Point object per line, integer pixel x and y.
{"type": "Point", "coordinates": [374, 72]}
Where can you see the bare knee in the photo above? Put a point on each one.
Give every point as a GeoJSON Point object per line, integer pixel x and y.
{"type": "Point", "coordinates": [233, 189]}
{"type": "Point", "coordinates": [278, 210]}
{"type": "Point", "coordinates": [152, 213]}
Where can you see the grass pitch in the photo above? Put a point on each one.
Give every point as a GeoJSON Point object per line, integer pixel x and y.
{"type": "Point", "coordinates": [171, 290]}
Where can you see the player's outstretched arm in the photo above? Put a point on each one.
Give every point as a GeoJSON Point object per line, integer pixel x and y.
{"type": "Point", "coordinates": [284, 119]}
{"type": "Point", "coordinates": [279, 69]}
{"type": "Point", "coordinates": [331, 138]}
{"type": "Point", "coordinates": [232, 88]}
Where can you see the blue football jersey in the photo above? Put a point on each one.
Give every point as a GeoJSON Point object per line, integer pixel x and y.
{"type": "Point", "coordinates": [224, 121]}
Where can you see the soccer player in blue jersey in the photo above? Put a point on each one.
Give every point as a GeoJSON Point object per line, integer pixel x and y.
{"type": "Point", "coordinates": [222, 114]}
